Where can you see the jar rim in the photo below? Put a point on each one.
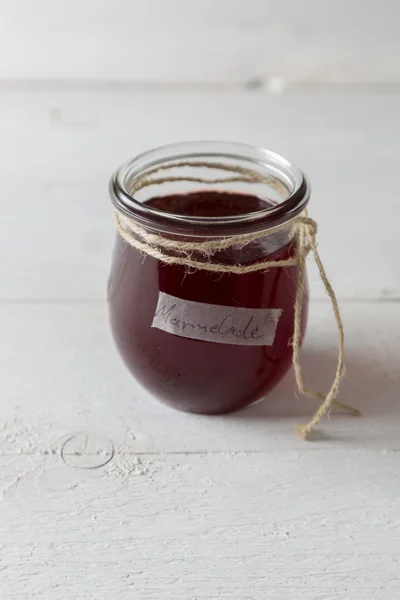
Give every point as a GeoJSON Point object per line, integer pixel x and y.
{"type": "Point", "coordinates": [152, 217]}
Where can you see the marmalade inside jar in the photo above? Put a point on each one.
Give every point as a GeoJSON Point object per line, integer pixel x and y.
{"type": "Point", "coordinates": [194, 375]}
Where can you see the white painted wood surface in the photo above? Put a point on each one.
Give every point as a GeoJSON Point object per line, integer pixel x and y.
{"type": "Point", "coordinates": [205, 526]}
{"type": "Point", "coordinates": [213, 41]}
{"type": "Point", "coordinates": [104, 493]}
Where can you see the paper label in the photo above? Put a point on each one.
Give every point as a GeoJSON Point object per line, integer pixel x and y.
{"type": "Point", "coordinates": [213, 323]}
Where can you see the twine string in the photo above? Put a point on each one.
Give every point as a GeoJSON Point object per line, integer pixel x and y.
{"type": "Point", "coordinates": [185, 253]}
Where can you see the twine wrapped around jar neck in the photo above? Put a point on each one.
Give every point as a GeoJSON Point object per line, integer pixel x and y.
{"type": "Point", "coordinates": [185, 253]}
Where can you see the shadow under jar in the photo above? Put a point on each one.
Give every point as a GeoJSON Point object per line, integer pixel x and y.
{"type": "Point", "coordinates": [203, 341]}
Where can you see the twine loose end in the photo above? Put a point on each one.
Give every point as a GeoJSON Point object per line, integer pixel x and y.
{"type": "Point", "coordinates": [302, 432]}
{"type": "Point", "coordinates": [354, 412]}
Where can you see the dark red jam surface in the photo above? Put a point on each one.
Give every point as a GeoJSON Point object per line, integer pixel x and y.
{"type": "Point", "coordinates": [190, 374]}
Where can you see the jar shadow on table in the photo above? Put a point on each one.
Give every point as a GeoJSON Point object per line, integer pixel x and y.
{"type": "Point", "coordinates": [371, 384]}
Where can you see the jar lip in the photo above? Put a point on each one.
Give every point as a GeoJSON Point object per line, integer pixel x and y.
{"type": "Point", "coordinates": [147, 215]}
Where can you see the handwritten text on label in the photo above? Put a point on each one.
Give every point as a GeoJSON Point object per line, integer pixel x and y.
{"type": "Point", "coordinates": [213, 323]}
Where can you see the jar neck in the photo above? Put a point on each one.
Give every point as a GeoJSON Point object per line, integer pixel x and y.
{"type": "Point", "coordinates": [207, 167]}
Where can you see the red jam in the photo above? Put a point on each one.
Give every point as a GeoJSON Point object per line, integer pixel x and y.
{"type": "Point", "coordinates": [191, 374]}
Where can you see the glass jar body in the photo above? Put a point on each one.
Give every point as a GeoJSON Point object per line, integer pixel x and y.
{"type": "Point", "coordinates": [191, 374]}
{"type": "Point", "coordinates": [228, 367]}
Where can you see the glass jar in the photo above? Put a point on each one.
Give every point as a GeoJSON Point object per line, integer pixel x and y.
{"type": "Point", "coordinates": [206, 341]}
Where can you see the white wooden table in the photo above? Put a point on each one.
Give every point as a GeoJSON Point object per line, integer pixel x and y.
{"type": "Point", "coordinates": [107, 494]}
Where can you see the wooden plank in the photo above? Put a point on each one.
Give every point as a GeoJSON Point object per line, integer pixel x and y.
{"type": "Point", "coordinates": [179, 41]}
{"type": "Point", "coordinates": [61, 376]}
{"type": "Point", "coordinates": [281, 526]}
{"type": "Point", "coordinates": [59, 149]}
